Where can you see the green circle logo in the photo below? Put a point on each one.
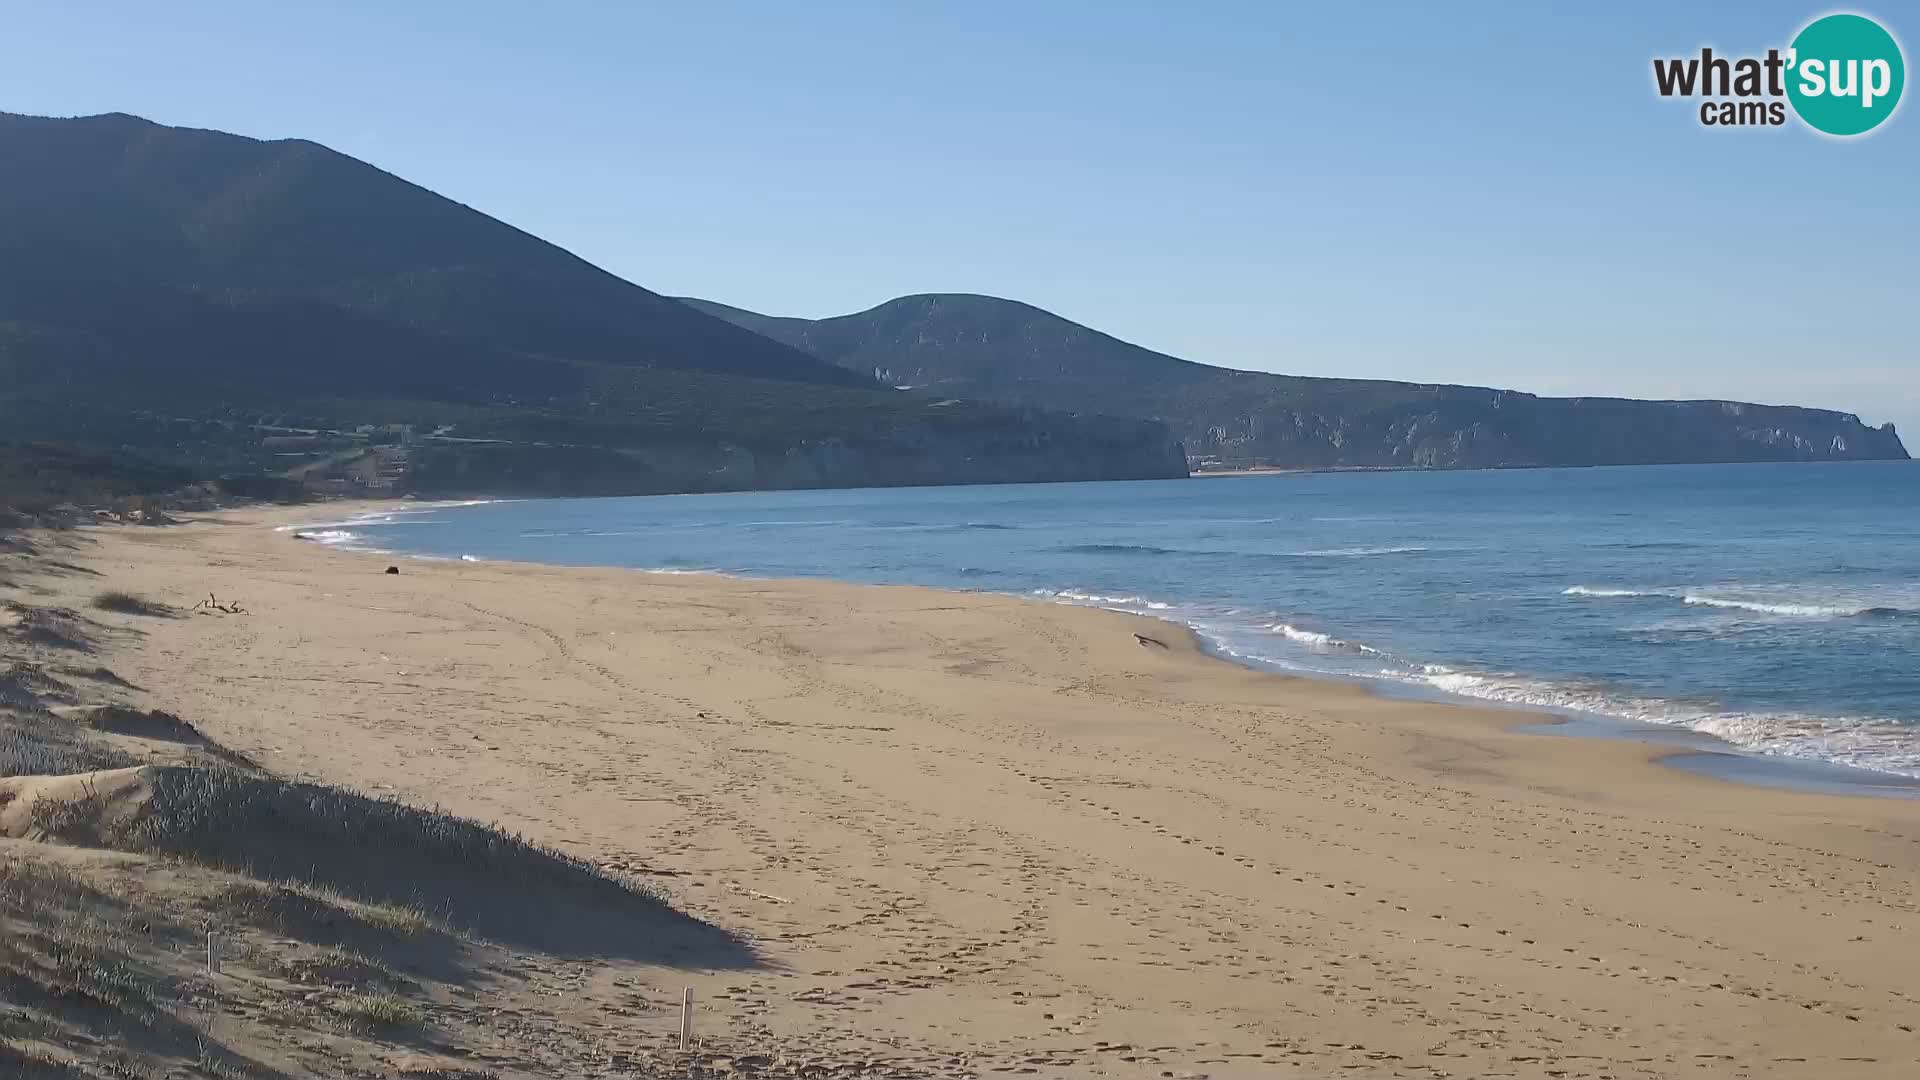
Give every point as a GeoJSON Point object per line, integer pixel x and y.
{"type": "Point", "coordinates": [1845, 74]}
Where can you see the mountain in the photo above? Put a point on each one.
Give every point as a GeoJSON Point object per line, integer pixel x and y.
{"type": "Point", "coordinates": [237, 220]}
{"type": "Point", "coordinates": [208, 294]}
{"type": "Point", "coordinates": [964, 345]}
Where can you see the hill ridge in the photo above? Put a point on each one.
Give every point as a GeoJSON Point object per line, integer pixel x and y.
{"type": "Point", "coordinates": [197, 292]}
{"type": "Point", "coordinates": [969, 344]}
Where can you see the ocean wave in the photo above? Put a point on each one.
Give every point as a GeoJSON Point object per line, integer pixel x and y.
{"type": "Point", "coordinates": [1809, 610]}
{"type": "Point", "coordinates": [1877, 744]}
{"type": "Point", "coordinates": [1874, 611]}
{"type": "Point", "coordinates": [1319, 640]}
{"type": "Point", "coordinates": [1115, 549]}
{"type": "Point", "coordinates": [328, 536]}
{"type": "Point", "coordinates": [1873, 743]}
{"type": "Point", "coordinates": [1359, 552]}
{"type": "Point", "coordinates": [1304, 637]}
{"type": "Point", "coordinates": [1350, 519]}
{"type": "Point", "coordinates": [442, 504]}
{"type": "Point", "coordinates": [352, 522]}
{"type": "Point", "coordinates": [1761, 607]}
{"type": "Point", "coordinates": [1075, 596]}
{"type": "Point", "coordinates": [1588, 590]}
{"type": "Point", "coordinates": [940, 527]}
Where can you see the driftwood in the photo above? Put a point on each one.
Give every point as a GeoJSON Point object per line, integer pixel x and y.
{"type": "Point", "coordinates": [1145, 640]}
{"type": "Point", "coordinates": [758, 894]}
{"type": "Point", "coordinates": [212, 604]}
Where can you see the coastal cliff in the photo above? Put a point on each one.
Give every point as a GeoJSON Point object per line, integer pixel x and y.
{"type": "Point", "coordinates": [1405, 425]}
{"type": "Point", "coordinates": [1002, 350]}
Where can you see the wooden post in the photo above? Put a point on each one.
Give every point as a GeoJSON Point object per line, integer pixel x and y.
{"type": "Point", "coordinates": [686, 1019]}
{"type": "Point", "coordinates": [213, 953]}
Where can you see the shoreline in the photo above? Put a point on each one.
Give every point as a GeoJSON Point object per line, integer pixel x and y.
{"type": "Point", "coordinates": [1701, 753]}
{"type": "Point", "coordinates": [970, 828]}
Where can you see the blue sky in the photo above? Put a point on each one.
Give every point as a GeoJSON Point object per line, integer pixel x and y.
{"type": "Point", "coordinates": [1477, 193]}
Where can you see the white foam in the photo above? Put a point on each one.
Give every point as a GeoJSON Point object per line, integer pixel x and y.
{"type": "Point", "coordinates": [1075, 596]}
{"type": "Point", "coordinates": [1870, 743]}
{"type": "Point", "coordinates": [1588, 590]}
{"type": "Point", "coordinates": [329, 536]}
{"type": "Point", "coordinates": [1806, 610]}
{"type": "Point", "coordinates": [1877, 744]}
{"type": "Point", "coordinates": [1789, 608]}
{"type": "Point", "coordinates": [1304, 637]}
{"type": "Point", "coordinates": [1471, 685]}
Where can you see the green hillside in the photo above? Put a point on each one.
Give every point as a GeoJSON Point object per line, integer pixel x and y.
{"type": "Point", "coordinates": [213, 298]}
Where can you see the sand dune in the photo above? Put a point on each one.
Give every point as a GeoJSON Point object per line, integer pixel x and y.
{"type": "Point", "coordinates": [978, 833]}
{"type": "Point", "coordinates": [85, 801]}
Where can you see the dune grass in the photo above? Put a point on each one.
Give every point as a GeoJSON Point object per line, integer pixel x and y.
{"type": "Point", "coordinates": [52, 628]}
{"type": "Point", "coordinates": [250, 822]}
{"type": "Point", "coordinates": [76, 948]}
{"type": "Point", "coordinates": [28, 1065]}
{"type": "Point", "coordinates": [380, 1009]}
{"type": "Point", "coordinates": [25, 685]}
{"type": "Point", "coordinates": [126, 603]}
{"type": "Point", "coordinates": [334, 965]}
{"type": "Point", "coordinates": [35, 743]}
{"type": "Point", "coordinates": [239, 819]}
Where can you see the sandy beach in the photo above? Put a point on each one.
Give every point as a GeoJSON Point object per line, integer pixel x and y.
{"type": "Point", "coordinates": [991, 834]}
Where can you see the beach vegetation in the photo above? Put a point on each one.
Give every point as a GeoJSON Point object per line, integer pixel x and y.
{"type": "Point", "coordinates": [126, 603]}
{"type": "Point", "coordinates": [34, 742]}
{"type": "Point", "coordinates": [380, 1009]}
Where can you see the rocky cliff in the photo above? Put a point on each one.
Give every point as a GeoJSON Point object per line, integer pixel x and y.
{"type": "Point", "coordinates": [1002, 350]}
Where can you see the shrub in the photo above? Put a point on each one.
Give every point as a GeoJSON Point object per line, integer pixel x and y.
{"type": "Point", "coordinates": [126, 603]}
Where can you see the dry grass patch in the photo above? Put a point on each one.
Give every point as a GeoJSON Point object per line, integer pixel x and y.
{"type": "Point", "coordinates": [308, 911]}
{"type": "Point", "coordinates": [403, 920]}
{"type": "Point", "coordinates": [380, 1010]}
{"type": "Point", "coordinates": [126, 603]}
{"type": "Point", "coordinates": [332, 965]}
{"type": "Point", "coordinates": [421, 1068]}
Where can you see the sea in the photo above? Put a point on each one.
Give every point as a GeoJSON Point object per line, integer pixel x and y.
{"type": "Point", "coordinates": [1765, 614]}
